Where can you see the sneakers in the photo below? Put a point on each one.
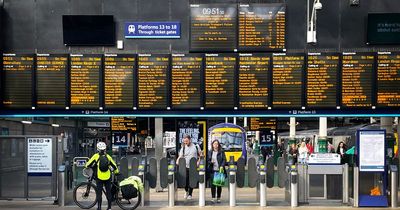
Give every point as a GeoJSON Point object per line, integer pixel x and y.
{"type": "Point", "coordinates": [218, 200]}
{"type": "Point", "coordinates": [213, 200]}
{"type": "Point", "coordinates": [189, 197]}
{"type": "Point", "coordinates": [185, 195]}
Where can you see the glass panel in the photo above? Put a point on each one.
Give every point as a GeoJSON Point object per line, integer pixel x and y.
{"type": "Point", "coordinates": [316, 185]}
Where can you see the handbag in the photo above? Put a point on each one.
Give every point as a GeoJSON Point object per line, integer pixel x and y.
{"type": "Point", "coordinates": [219, 178]}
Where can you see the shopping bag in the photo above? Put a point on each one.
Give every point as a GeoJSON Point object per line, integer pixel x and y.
{"type": "Point", "coordinates": [219, 178]}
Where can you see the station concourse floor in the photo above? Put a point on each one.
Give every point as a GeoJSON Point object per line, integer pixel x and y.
{"type": "Point", "coordinates": [246, 200]}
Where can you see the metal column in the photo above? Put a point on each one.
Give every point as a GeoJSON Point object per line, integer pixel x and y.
{"type": "Point", "coordinates": [356, 182]}
{"type": "Point", "coordinates": [158, 138]}
{"type": "Point", "coordinates": [393, 186]}
{"type": "Point", "coordinates": [292, 126]}
{"type": "Point", "coordinates": [345, 178]}
{"type": "Point", "coordinates": [323, 126]}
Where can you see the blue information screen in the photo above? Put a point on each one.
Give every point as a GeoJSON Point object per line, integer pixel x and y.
{"type": "Point", "coordinates": [153, 30]}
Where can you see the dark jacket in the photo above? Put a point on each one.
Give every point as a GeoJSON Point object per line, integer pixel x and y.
{"type": "Point", "coordinates": [221, 162]}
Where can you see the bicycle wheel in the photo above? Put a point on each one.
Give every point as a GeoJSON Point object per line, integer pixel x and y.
{"type": "Point", "coordinates": [85, 195]}
{"type": "Point", "coordinates": [128, 204]}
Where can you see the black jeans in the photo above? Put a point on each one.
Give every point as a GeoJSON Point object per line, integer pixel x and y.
{"type": "Point", "coordinates": [188, 189]}
{"type": "Point", "coordinates": [99, 191]}
{"type": "Point", "coordinates": [216, 189]}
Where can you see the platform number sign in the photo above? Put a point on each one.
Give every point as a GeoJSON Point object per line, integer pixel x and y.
{"type": "Point", "coordinates": [266, 137]}
{"type": "Point", "coordinates": [120, 139]}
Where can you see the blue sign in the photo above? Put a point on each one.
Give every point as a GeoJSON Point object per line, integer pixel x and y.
{"type": "Point", "coordinates": [153, 30]}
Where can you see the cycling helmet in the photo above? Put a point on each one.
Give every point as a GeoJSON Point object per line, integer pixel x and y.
{"type": "Point", "coordinates": [101, 146]}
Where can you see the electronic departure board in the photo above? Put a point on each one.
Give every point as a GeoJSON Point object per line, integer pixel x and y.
{"type": "Point", "coordinates": [322, 70]}
{"type": "Point", "coordinates": [287, 78]}
{"type": "Point", "coordinates": [119, 71]}
{"type": "Point", "coordinates": [17, 73]}
{"type": "Point", "coordinates": [388, 85]}
{"type": "Point", "coordinates": [213, 27]}
{"type": "Point", "coordinates": [85, 81]}
{"type": "Point", "coordinates": [51, 80]}
{"type": "Point", "coordinates": [253, 80]}
{"type": "Point", "coordinates": [357, 79]}
{"type": "Point", "coordinates": [186, 81]}
{"type": "Point", "coordinates": [260, 123]}
{"type": "Point", "coordinates": [123, 124]}
{"type": "Point", "coordinates": [262, 27]}
{"type": "Point", "coordinates": [219, 81]}
{"type": "Point", "coordinates": [152, 81]}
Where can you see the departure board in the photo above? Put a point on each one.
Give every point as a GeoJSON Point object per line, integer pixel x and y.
{"type": "Point", "coordinates": [123, 124]}
{"type": "Point", "coordinates": [219, 81]}
{"type": "Point", "coordinates": [287, 80]}
{"type": "Point", "coordinates": [51, 80]}
{"type": "Point", "coordinates": [321, 88]}
{"type": "Point", "coordinates": [118, 81]}
{"type": "Point", "coordinates": [262, 27]}
{"type": "Point", "coordinates": [253, 81]}
{"type": "Point", "coordinates": [17, 76]}
{"type": "Point", "coordinates": [260, 123]}
{"type": "Point", "coordinates": [186, 82]}
{"type": "Point", "coordinates": [357, 79]}
{"type": "Point", "coordinates": [152, 81]}
{"type": "Point", "coordinates": [85, 81]}
{"type": "Point", "coordinates": [388, 79]}
{"type": "Point", "coordinates": [213, 27]}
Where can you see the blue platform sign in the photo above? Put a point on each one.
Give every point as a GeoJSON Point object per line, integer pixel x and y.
{"type": "Point", "coordinates": [153, 30]}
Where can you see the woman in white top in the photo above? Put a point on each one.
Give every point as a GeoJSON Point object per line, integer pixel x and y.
{"type": "Point", "coordinates": [303, 153]}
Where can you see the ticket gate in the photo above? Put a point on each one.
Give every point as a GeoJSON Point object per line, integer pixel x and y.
{"type": "Point", "coordinates": [146, 170]}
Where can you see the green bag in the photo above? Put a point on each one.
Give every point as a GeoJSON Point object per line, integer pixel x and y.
{"type": "Point", "coordinates": [219, 178]}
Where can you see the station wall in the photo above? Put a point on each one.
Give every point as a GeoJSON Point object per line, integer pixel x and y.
{"type": "Point", "coordinates": [36, 25]}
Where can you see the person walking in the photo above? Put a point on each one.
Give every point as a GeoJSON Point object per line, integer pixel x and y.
{"type": "Point", "coordinates": [216, 163]}
{"type": "Point", "coordinates": [188, 151]}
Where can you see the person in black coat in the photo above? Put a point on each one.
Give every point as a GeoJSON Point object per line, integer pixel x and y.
{"type": "Point", "coordinates": [216, 161]}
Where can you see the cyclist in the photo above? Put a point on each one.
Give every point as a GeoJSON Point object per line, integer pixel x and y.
{"type": "Point", "coordinates": [101, 163]}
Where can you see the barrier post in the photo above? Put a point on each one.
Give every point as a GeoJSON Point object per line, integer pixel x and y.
{"type": "Point", "coordinates": [293, 187]}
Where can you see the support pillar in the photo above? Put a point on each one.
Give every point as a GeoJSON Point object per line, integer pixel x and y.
{"type": "Point", "coordinates": [158, 142]}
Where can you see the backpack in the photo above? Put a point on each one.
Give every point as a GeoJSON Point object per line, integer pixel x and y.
{"type": "Point", "coordinates": [195, 145]}
{"type": "Point", "coordinates": [104, 163]}
{"type": "Point", "coordinates": [129, 191]}
{"type": "Point", "coordinates": [130, 187]}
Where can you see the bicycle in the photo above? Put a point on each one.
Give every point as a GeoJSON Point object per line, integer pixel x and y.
{"type": "Point", "coordinates": [85, 196]}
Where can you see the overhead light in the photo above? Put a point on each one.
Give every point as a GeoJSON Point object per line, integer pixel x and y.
{"type": "Point", "coordinates": [318, 5]}
{"type": "Point", "coordinates": [26, 122]}
{"type": "Point", "coordinates": [312, 22]}
{"type": "Point", "coordinates": [55, 125]}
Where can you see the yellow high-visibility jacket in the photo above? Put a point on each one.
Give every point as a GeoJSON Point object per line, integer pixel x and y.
{"type": "Point", "coordinates": [100, 174]}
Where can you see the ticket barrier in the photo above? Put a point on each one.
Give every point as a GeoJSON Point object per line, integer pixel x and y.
{"type": "Point", "coordinates": [291, 185]}
{"type": "Point", "coordinates": [232, 182]}
{"type": "Point", "coordinates": [202, 183]}
{"type": "Point", "coordinates": [294, 186]}
{"type": "Point", "coordinates": [171, 183]}
{"type": "Point", "coordinates": [262, 171]}
{"type": "Point", "coordinates": [147, 171]}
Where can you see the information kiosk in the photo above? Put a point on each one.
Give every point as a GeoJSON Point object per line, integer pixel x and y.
{"type": "Point", "coordinates": [372, 173]}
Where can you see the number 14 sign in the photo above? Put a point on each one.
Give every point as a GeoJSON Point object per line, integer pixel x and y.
{"type": "Point", "coordinates": [120, 139]}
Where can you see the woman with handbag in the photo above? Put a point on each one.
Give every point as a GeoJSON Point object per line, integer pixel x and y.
{"type": "Point", "coordinates": [216, 170]}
